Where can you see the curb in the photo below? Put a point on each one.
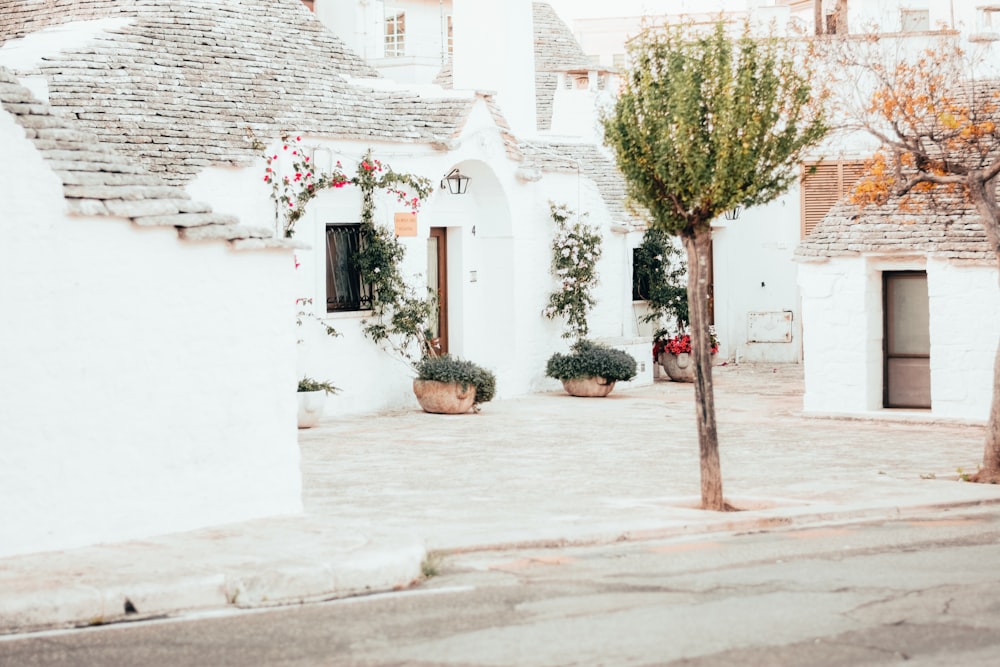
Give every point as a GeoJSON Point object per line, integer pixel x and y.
{"type": "Point", "coordinates": [382, 565]}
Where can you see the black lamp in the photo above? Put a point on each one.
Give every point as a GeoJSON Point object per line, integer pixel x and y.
{"type": "Point", "coordinates": [457, 182]}
{"type": "Point", "coordinates": [733, 213]}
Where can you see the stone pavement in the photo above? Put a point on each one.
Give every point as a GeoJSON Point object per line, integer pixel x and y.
{"type": "Point", "coordinates": [546, 469]}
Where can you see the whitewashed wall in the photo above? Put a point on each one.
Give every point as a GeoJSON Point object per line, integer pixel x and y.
{"type": "Point", "coordinates": [146, 382]}
{"type": "Point", "coordinates": [842, 309]}
{"type": "Point", "coordinates": [499, 278]}
{"type": "Point", "coordinates": [755, 282]}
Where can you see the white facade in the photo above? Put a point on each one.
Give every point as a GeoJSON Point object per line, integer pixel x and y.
{"type": "Point", "coordinates": [755, 285]}
{"type": "Point", "coordinates": [499, 238]}
{"type": "Point", "coordinates": [135, 397]}
{"type": "Point", "coordinates": [843, 314]}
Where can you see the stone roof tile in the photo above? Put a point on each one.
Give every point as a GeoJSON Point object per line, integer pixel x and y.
{"type": "Point", "coordinates": [176, 88]}
{"type": "Point", "coordinates": [938, 226]}
{"type": "Point", "coordinates": [97, 181]}
{"type": "Point", "coordinates": [556, 50]}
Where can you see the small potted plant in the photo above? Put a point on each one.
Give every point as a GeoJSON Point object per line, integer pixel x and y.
{"type": "Point", "coordinates": [449, 385]}
{"type": "Point", "coordinates": [312, 397]}
{"type": "Point", "coordinates": [591, 369]}
{"type": "Point", "coordinates": [674, 354]}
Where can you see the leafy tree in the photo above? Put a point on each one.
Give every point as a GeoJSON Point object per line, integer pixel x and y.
{"type": "Point", "coordinates": [705, 122]}
{"type": "Point", "coordinates": [939, 130]}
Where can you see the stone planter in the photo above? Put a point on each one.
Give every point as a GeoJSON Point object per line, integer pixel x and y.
{"type": "Point", "coordinates": [592, 387]}
{"type": "Point", "coordinates": [311, 407]}
{"type": "Point", "coordinates": [679, 367]}
{"type": "Point", "coordinates": [447, 398]}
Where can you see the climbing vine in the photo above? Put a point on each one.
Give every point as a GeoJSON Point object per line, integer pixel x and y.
{"type": "Point", "coordinates": [575, 251]}
{"type": "Point", "coordinates": [399, 315]}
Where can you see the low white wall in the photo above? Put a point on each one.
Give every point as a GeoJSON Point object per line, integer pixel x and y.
{"type": "Point", "coordinates": [754, 273]}
{"type": "Point", "coordinates": [842, 315]}
{"type": "Point", "coordinates": [146, 382]}
{"type": "Point", "coordinates": [835, 332]}
{"type": "Point", "coordinates": [965, 321]}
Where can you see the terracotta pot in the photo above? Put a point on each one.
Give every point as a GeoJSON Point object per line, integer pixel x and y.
{"type": "Point", "coordinates": [311, 407]}
{"type": "Point", "coordinates": [447, 398]}
{"type": "Point", "coordinates": [592, 387]}
{"type": "Point", "coordinates": [679, 367]}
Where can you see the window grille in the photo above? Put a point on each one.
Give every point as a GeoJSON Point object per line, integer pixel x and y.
{"type": "Point", "coordinates": [344, 290]}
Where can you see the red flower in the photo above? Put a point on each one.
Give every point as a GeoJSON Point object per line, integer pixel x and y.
{"type": "Point", "coordinates": [267, 179]}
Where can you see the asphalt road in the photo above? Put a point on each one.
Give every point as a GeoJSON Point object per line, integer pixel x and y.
{"type": "Point", "coordinates": [919, 592]}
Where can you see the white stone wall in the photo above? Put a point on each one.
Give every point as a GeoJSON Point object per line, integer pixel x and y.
{"type": "Point", "coordinates": [146, 382]}
{"type": "Point", "coordinates": [754, 273]}
{"type": "Point", "coordinates": [842, 311]}
{"type": "Point", "coordinates": [499, 277]}
{"type": "Point", "coordinates": [965, 331]}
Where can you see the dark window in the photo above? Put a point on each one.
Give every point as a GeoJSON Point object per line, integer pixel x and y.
{"type": "Point", "coordinates": [640, 279]}
{"type": "Point", "coordinates": [344, 290]}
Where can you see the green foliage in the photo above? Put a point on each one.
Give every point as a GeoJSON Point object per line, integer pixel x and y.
{"type": "Point", "coordinates": [706, 122]}
{"type": "Point", "coordinates": [575, 251]}
{"type": "Point", "coordinates": [590, 359]}
{"type": "Point", "coordinates": [447, 368]}
{"type": "Point", "coordinates": [311, 384]}
{"type": "Point", "coordinates": [660, 274]}
{"type": "Point", "coordinates": [400, 317]}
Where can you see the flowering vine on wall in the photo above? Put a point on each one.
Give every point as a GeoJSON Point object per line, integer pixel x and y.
{"type": "Point", "coordinates": [576, 248]}
{"type": "Point", "coordinates": [399, 316]}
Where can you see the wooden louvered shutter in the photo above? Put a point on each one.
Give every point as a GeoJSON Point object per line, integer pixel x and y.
{"type": "Point", "coordinates": [823, 185]}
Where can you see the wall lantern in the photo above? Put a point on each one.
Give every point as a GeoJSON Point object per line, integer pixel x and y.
{"type": "Point", "coordinates": [457, 182]}
{"type": "Point", "coordinates": [733, 213]}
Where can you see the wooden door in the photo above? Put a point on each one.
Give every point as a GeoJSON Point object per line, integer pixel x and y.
{"type": "Point", "coordinates": [437, 281]}
{"type": "Point", "coordinates": [907, 340]}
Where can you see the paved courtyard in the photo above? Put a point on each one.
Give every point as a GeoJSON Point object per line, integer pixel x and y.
{"type": "Point", "coordinates": [553, 467]}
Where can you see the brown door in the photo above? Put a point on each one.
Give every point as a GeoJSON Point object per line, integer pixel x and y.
{"type": "Point", "coordinates": [907, 340]}
{"type": "Point", "coordinates": [437, 282]}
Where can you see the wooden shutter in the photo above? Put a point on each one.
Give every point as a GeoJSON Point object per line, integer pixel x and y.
{"type": "Point", "coordinates": [823, 185]}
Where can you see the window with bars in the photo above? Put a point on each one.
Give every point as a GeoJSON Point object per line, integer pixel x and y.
{"type": "Point", "coordinates": [395, 35]}
{"type": "Point", "coordinates": [823, 185]}
{"type": "Point", "coordinates": [344, 290]}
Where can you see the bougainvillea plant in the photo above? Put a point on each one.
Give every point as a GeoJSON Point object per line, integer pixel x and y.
{"type": "Point", "coordinates": [399, 316]}
{"type": "Point", "coordinates": [576, 248]}
{"type": "Point", "coordinates": [680, 344]}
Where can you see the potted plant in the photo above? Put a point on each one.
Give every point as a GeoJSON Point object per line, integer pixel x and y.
{"type": "Point", "coordinates": [591, 369]}
{"type": "Point", "coordinates": [674, 354]}
{"type": "Point", "coordinates": [449, 385]}
{"type": "Point", "coordinates": [312, 395]}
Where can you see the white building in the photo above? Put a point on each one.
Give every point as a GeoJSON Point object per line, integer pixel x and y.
{"type": "Point", "coordinates": [756, 300]}
{"type": "Point", "coordinates": [142, 277]}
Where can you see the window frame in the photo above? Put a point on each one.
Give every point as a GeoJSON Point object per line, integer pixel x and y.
{"type": "Point", "coordinates": [394, 34]}
{"type": "Point", "coordinates": [359, 294]}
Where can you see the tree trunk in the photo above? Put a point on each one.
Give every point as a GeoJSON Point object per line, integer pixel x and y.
{"type": "Point", "coordinates": [983, 196]}
{"type": "Point", "coordinates": [698, 245]}
{"type": "Point", "coordinates": [990, 472]}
